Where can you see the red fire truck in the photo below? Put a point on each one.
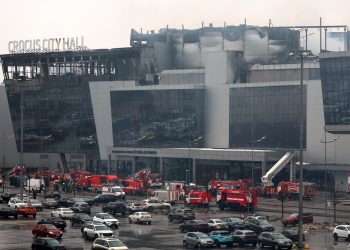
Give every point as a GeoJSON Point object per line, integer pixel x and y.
{"type": "Point", "coordinates": [132, 186]}
{"type": "Point", "coordinates": [197, 196]}
{"type": "Point", "coordinates": [95, 182]}
{"type": "Point", "coordinates": [291, 189]}
{"type": "Point", "coordinates": [240, 200]}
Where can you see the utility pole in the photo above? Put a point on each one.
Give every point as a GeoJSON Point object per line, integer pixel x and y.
{"type": "Point", "coordinates": [3, 165]}
{"type": "Point", "coordinates": [21, 156]}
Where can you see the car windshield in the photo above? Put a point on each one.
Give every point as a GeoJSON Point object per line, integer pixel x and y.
{"type": "Point", "coordinates": [225, 234]}
{"type": "Point", "coordinates": [202, 235]}
{"type": "Point", "coordinates": [278, 236]}
{"type": "Point", "coordinates": [117, 189]}
{"type": "Point", "coordinates": [218, 221]}
{"type": "Point", "coordinates": [53, 242]}
{"type": "Point", "coordinates": [144, 213]}
{"type": "Point", "coordinates": [348, 228]}
{"type": "Point", "coordinates": [293, 215]}
{"type": "Point", "coordinates": [66, 210]}
{"type": "Point", "coordinates": [115, 243]}
{"type": "Point", "coordinates": [34, 201]}
{"type": "Point", "coordinates": [188, 212]}
{"type": "Point", "coordinates": [107, 216]}
{"type": "Point", "coordinates": [250, 233]}
{"type": "Point", "coordinates": [137, 204]}
{"type": "Point", "coordinates": [97, 196]}
{"type": "Point", "coordinates": [102, 227]}
{"type": "Point", "coordinates": [263, 222]}
{"type": "Point", "coordinates": [51, 227]}
{"type": "Point", "coordinates": [235, 220]}
{"type": "Point", "coordinates": [85, 216]}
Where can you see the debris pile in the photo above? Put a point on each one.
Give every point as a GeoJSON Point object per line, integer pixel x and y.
{"type": "Point", "coordinates": [319, 227]}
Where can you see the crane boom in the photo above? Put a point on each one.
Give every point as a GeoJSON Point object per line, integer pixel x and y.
{"type": "Point", "coordinates": [267, 178]}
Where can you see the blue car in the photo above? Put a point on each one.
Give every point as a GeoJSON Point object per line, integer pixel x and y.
{"type": "Point", "coordinates": [222, 238]}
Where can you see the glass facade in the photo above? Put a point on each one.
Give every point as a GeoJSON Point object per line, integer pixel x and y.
{"type": "Point", "coordinates": [335, 79]}
{"type": "Point", "coordinates": [268, 111]}
{"type": "Point", "coordinates": [57, 117]}
{"type": "Point", "coordinates": [157, 118]}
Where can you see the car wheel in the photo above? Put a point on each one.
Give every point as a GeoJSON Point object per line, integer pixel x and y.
{"type": "Point", "coordinates": [51, 214]}
{"type": "Point", "coordinates": [240, 243]}
{"type": "Point", "coordinates": [150, 209]}
{"type": "Point", "coordinates": [184, 243]}
{"type": "Point", "coordinates": [335, 236]}
{"type": "Point", "coordinates": [137, 221]}
{"type": "Point", "coordinates": [261, 245]}
{"type": "Point", "coordinates": [149, 223]}
{"type": "Point", "coordinates": [60, 216]}
{"type": "Point", "coordinates": [34, 215]}
{"type": "Point", "coordinates": [199, 245]}
{"type": "Point", "coordinates": [254, 244]}
{"type": "Point", "coordinates": [276, 247]}
{"type": "Point", "coordinates": [182, 229]}
{"type": "Point", "coordinates": [72, 223]}
{"type": "Point", "coordinates": [130, 221]}
{"type": "Point", "coordinates": [96, 236]}
{"type": "Point", "coordinates": [216, 242]}
{"type": "Point", "coordinates": [170, 219]}
{"type": "Point", "coordinates": [86, 236]}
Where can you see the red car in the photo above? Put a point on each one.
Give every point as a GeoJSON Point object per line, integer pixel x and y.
{"type": "Point", "coordinates": [293, 219]}
{"type": "Point", "coordinates": [47, 230]}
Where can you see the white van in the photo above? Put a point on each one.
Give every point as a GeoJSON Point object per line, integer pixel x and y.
{"type": "Point", "coordinates": [115, 190]}
{"type": "Point", "coordinates": [34, 184]}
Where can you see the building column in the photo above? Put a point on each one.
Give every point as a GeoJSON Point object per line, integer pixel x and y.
{"type": "Point", "coordinates": [291, 171]}
{"type": "Point", "coordinates": [161, 168]}
{"type": "Point", "coordinates": [194, 170]}
{"type": "Point", "coordinates": [109, 165]}
{"type": "Point", "coordinates": [133, 165]}
{"type": "Point", "coordinates": [263, 166]}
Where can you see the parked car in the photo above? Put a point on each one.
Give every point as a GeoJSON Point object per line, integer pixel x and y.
{"type": "Point", "coordinates": [15, 203]}
{"type": "Point", "coordinates": [150, 205]}
{"type": "Point", "coordinates": [87, 223]}
{"type": "Point", "coordinates": [79, 218]}
{"type": "Point", "coordinates": [50, 203]}
{"type": "Point", "coordinates": [234, 224]}
{"type": "Point", "coordinates": [341, 231]}
{"type": "Point", "coordinates": [7, 212]}
{"type": "Point", "coordinates": [36, 203]}
{"type": "Point", "coordinates": [63, 202]}
{"type": "Point", "coordinates": [217, 224]}
{"type": "Point", "coordinates": [197, 239]}
{"type": "Point", "coordinates": [26, 210]}
{"type": "Point", "coordinates": [275, 240]}
{"type": "Point", "coordinates": [7, 196]}
{"type": "Point", "coordinates": [102, 198]}
{"type": "Point", "coordinates": [52, 194]}
{"type": "Point", "coordinates": [140, 217]}
{"type": "Point", "coordinates": [108, 244]}
{"type": "Point", "coordinates": [293, 235]}
{"type": "Point", "coordinates": [195, 225]}
{"type": "Point", "coordinates": [96, 231]}
{"type": "Point", "coordinates": [181, 215]}
{"type": "Point", "coordinates": [47, 230]}
{"type": "Point", "coordinates": [293, 219]}
{"type": "Point", "coordinates": [106, 219]}
{"type": "Point", "coordinates": [71, 201]}
{"type": "Point", "coordinates": [81, 207]}
{"type": "Point", "coordinates": [47, 244]}
{"type": "Point", "coordinates": [245, 237]}
{"type": "Point", "coordinates": [57, 222]}
{"type": "Point", "coordinates": [114, 208]}
{"type": "Point", "coordinates": [258, 225]}
{"type": "Point", "coordinates": [62, 212]}
{"type": "Point", "coordinates": [134, 207]}
{"type": "Point", "coordinates": [222, 237]}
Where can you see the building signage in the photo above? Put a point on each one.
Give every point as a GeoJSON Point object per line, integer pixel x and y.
{"type": "Point", "coordinates": [47, 45]}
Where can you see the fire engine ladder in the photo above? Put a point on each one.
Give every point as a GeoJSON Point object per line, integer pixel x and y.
{"type": "Point", "coordinates": [267, 178]}
{"type": "Point", "coordinates": [64, 163]}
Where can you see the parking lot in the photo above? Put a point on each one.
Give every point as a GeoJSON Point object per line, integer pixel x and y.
{"type": "Point", "coordinates": [161, 234]}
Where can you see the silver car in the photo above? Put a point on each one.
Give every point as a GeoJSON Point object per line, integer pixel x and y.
{"type": "Point", "coordinates": [197, 239]}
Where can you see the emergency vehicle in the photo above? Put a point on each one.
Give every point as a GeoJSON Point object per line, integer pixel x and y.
{"type": "Point", "coordinates": [132, 187]}
{"type": "Point", "coordinates": [197, 196]}
{"type": "Point", "coordinates": [291, 190]}
{"type": "Point", "coordinates": [240, 200]}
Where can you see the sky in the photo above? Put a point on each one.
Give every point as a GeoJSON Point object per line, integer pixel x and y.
{"type": "Point", "coordinates": [107, 23]}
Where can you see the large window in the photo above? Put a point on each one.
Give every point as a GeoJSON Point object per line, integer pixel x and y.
{"type": "Point", "coordinates": [335, 78]}
{"type": "Point", "coordinates": [157, 118]}
{"type": "Point", "coordinates": [271, 112]}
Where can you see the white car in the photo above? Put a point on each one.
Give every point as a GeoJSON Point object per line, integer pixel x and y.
{"type": "Point", "coordinates": [140, 217]}
{"type": "Point", "coordinates": [108, 244]}
{"type": "Point", "coordinates": [341, 231]}
{"type": "Point", "coordinates": [62, 212]}
{"type": "Point", "coordinates": [97, 231]}
{"type": "Point", "coordinates": [217, 224]}
{"type": "Point", "coordinates": [15, 203]}
{"type": "Point", "coordinates": [106, 219]}
{"type": "Point", "coordinates": [36, 204]}
{"type": "Point", "coordinates": [150, 205]}
{"type": "Point", "coordinates": [134, 207]}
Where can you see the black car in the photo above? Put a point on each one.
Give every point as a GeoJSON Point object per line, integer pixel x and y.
{"type": "Point", "coordinates": [292, 235]}
{"type": "Point", "coordinates": [244, 237]}
{"type": "Point", "coordinates": [73, 200]}
{"type": "Point", "coordinates": [234, 224]}
{"type": "Point", "coordinates": [81, 207]}
{"type": "Point", "coordinates": [57, 222]}
{"type": "Point", "coordinates": [102, 198]}
{"type": "Point", "coordinates": [7, 196]}
{"type": "Point", "coordinates": [47, 244]}
{"type": "Point", "coordinates": [181, 215]}
{"type": "Point", "coordinates": [275, 240]}
{"type": "Point", "coordinates": [52, 194]}
{"type": "Point", "coordinates": [80, 218]}
{"type": "Point", "coordinates": [195, 225]}
{"type": "Point", "coordinates": [114, 208]}
{"type": "Point", "coordinates": [8, 211]}
{"type": "Point", "coordinates": [63, 202]}
{"type": "Point", "coordinates": [258, 225]}
{"type": "Point", "coordinates": [1, 200]}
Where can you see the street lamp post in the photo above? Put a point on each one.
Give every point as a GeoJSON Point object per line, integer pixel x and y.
{"type": "Point", "coordinates": [252, 163]}
{"type": "Point", "coordinates": [325, 142]}
{"type": "Point", "coordinates": [3, 159]}
{"type": "Point", "coordinates": [21, 156]}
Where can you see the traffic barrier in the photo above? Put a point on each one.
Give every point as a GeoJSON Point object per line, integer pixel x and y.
{"type": "Point", "coordinates": [305, 246]}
